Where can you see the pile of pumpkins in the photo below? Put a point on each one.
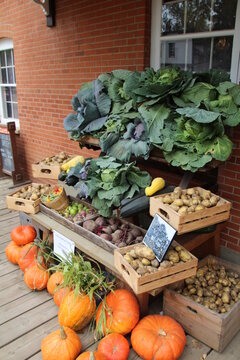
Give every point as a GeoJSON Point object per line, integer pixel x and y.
{"type": "Point", "coordinates": [153, 337]}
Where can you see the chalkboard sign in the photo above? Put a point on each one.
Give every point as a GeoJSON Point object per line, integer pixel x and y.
{"type": "Point", "coordinates": [6, 153]}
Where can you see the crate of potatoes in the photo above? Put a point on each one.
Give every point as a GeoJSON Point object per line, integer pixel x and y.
{"type": "Point", "coordinates": [190, 209]}
{"type": "Point", "coordinates": [208, 305]}
{"type": "Point", "coordinates": [143, 272]}
{"type": "Point", "coordinates": [50, 167]}
{"type": "Point", "coordinates": [27, 199]}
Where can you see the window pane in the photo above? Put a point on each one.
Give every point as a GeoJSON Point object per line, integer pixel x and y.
{"type": "Point", "coordinates": [9, 57]}
{"type": "Point", "coordinates": [224, 14]}
{"type": "Point", "coordinates": [4, 76]}
{"type": "Point", "coordinates": [15, 111]}
{"type": "Point", "coordinates": [222, 53]}
{"type": "Point", "coordinates": [6, 94]}
{"type": "Point", "coordinates": [173, 53]}
{"type": "Point", "coordinates": [199, 54]}
{"type": "Point", "coordinates": [2, 58]}
{"type": "Point", "coordinates": [173, 18]}
{"type": "Point", "coordinates": [14, 94]}
{"type": "Point", "coordinates": [198, 16]}
{"type": "Point", "coordinates": [10, 75]}
{"type": "Point", "coordinates": [9, 110]}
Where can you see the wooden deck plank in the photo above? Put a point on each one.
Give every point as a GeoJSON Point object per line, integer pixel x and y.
{"type": "Point", "coordinates": [194, 349]}
{"type": "Point", "coordinates": [11, 279]}
{"type": "Point", "coordinates": [7, 268]}
{"type": "Point", "coordinates": [25, 303]}
{"type": "Point", "coordinates": [231, 352]}
{"type": "Point", "coordinates": [5, 238]}
{"type": "Point", "coordinates": [27, 322]}
{"type": "Point", "coordinates": [30, 343]}
{"type": "Point", "coordinates": [13, 292]}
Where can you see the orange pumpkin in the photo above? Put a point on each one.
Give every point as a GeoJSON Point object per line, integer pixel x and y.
{"type": "Point", "coordinates": [158, 337]}
{"type": "Point", "coordinates": [62, 344]}
{"type": "Point", "coordinates": [114, 347]}
{"type": "Point", "coordinates": [28, 256]}
{"type": "Point", "coordinates": [76, 311]}
{"type": "Point", "coordinates": [60, 294]}
{"type": "Point", "coordinates": [36, 277]}
{"type": "Point", "coordinates": [89, 355]}
{"type": "Point", "coordinates": [54, 280]}
{"type": "Point", "coordinates": [124, 312]}
{"type": "Point", "coordinates": [23, 234]}
{"type": "Point", "coordinates": [13, 252]}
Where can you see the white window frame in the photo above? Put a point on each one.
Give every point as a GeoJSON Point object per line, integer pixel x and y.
{"type": "Point", "coordinates": [6, 44]}
{"type": "Point", "coordinates": [156, 26]}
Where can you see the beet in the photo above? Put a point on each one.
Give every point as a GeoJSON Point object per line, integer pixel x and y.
{"type": "Point", "coordinates": [122, 244]}
{"type": "Point", "coordinates": [129, 238]}
{"type": "Point", "coordinates": [139, 239]}
{"type": "Point", "coordinates": [117, 235]}
{"type": "Point", "coordinates": [136, 232]}
{"type": "Point", "coordinates": [100, 221]}
{"type": "Point", "coordinates": [114, 227]}
{"type": "Point", "coordinates": [90, 225]}
{"type": "Point", "coordinates": [106, 237]}
{"type": "Point", "coordinates": [107, 229]}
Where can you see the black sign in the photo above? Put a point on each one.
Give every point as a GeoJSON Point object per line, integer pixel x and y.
{"type": "Point", "coordinates": [6, 153]}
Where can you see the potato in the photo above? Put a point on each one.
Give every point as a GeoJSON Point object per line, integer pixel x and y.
{"type": "Point", "coordinates": [226, 298]}
{"type": "Point", "coordinates": [128, 258]}
{"type": "Point", "coordinates": [165, 264]}
{"type": "Point", "coordinates": [167, 199]}
{"type": "Point", "coordinates": [190, 191]}
{"type": "Point", "coordinates": [146, 262]}
{"type": "Point", "coordinates": [132, 253]}
{"type": "Point", "coordinates": [145, 252]}
{"type": "Point", "coordinates": [189, 281]}
{"type": "Point", "coordinates": [178, 202]}
{"type": "Point", "coordinates": [206, 203]}
{"type": "Point", "coordinates": [172, 255]}
{"type": "Point", "coordinates": [213, 200]}
{"type": "Point", "coordinates": [174, 207]}
{"type": "Point", "coordinates": [199, 208]}
{"type": "Point", "coordinates": [183, 210]}
{"type": "Point", "coordinates": [184, 255]}
{"type": "Point", "coordinates": [142, 270]}
{"type": "Point", "coordinates": [151, 269]}
{"type": "Point", "coordinates": [200, 292]}
{"type": "Point", "coordinates": [155, 263]}
{"type": "Point", "coordinates": [178, 248]}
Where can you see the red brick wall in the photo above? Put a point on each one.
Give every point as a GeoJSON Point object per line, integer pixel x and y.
{"type": "Point", "coordinates": [90, 37]}
{"type": "Point", "coordinates": [229, 188]}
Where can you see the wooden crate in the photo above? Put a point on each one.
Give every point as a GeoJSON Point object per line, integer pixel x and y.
{"type": "Point", "coordinates": [190, 222]}
{"type": "Point", "coordinates": [18, 204]}
{"type": "Point", "coordinates": [215, 330]}
{"type": "Point", "coordinates": [61, 219]}
{"type": "Point", "coordinates": [47, 171]}
{"type": "Point", "coordinates": [159, 279]}
{"type": "Point", "coordinates": [105, 244]}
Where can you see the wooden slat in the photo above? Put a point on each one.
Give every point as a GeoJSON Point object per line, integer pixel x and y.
{"type": "Point", "coordinates": [11, 279]}
{"type": "Point", "coordinates": [27, 322]}
{"type": "Point", "coordinates": [13, 292]}
{"type": "Point", "coordinates": [25, 303]}
{"type": "Point", "coordinates": [7, 268]}
{"type": "Point", "coordinates": [194, 349]}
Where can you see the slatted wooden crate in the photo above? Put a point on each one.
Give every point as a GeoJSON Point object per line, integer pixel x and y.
{"type": "Point", "coordinates": [213, 329]}
{"type": "Point", "coordinates": [47, 171]}
{"type": "Point", "coordinates": [190, 222]}
{"type": "Point", "coordinates": [147, 282]}
{"type": "Point", "coordinates": [19, 204]}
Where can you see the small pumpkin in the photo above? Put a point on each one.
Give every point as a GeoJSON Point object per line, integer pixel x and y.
{"type": "Point", "coordinates": [23, 234]}
{"type": "Point", "coordinates": [89, 355]}
{"type": "Point", "coordinates": [123, 313]}
{"type": "Point", "coordinates": [36, 277]}
{"type": "Point", "coordinates": [76, 311]}
{"type": "Point", "coordinates": [114, 347]}
{"type": "Point", "coordinates": [62, 344]}
{"type": "Point", "coordinates": [158, 337]}
{"type": "Point", "coordinates": [60, 294]}
{"type": "Point", "coordinates": [12, 252]}
{"type": "Point", "coordinates": [54, 280]}
{"type": "Point", "coordinates": [27, 256]}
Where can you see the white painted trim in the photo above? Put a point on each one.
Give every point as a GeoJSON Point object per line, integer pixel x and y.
{"type": "Point", "coordinates": [204, 34]}
{"type": "Point", "coordinates": [235, 65]}
{"type": "Point", "coordinates": [6, 44]}
{"type": "Point", "coordinates": [155, 34]}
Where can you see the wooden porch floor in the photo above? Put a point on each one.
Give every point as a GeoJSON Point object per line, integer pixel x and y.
{"type": "Point", "coordinates": [26, 317]}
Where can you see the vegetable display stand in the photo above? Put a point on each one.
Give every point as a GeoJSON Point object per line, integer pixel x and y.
{"type": "Point", "coordinates": [159, 279]}
{"type": "Point", "coordinates": [192, 221]}
{"type": "Point", "coordinates": [20, 204]}
{"type": "Point", "coordinates": [214, 329]}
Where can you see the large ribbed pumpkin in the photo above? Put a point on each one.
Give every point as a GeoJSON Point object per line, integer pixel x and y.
{"type": "Point", "coordinates": [27, 256]}
{"type": "Point", "coordinates": [89, 355]}
{"type": "Point", "coordinates": [76, 311]}
{"type": "Point", "coordinates": [60, 294]}
{"type": "Point", "coordinates": [13, 252]}
{"type": "Point", "coordinates": [54, 280]}
{"type": "Point", "coordinates": [114, 347]}
{"type": "Point", "coordinates": [23, 234]}
{"type": "Point", "coordinates": [125, 311]}
{"type": "Point", "coordinates": [36, 277]}
{"type": "Point", "coordinates": [62, 344]}
{"type": "Point", "coordinates": [158, 337]}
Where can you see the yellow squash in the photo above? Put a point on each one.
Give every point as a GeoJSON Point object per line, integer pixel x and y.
{"type": "Point", "coordinates": [73, 162]}
{"type": "Point", "coordinates": [157, 184]}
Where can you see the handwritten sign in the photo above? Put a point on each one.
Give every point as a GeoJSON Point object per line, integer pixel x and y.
{"type": "Point", "coordinates": [159, 237]}
{"type": "Point", "coordinates": [62, 246]}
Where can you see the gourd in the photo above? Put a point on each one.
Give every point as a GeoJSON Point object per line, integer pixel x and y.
{"type": "Point", "coordinates": [62, 344]}
{"type": "Point", "coordinates": [122, 314]}
{"type": "Point", "coordinates": [23, 234]}
{"type": "Point", "coordinates": [73, 162]}
{"type": "Point", "coordinates": [76, 311]}
{"type": "Point", "coordinates": [36, 277]}
{"type": "Point", "coordinates": [114, 347]}
{"type": "Point", "coordinates": [13, 252]}
{"type": "Point", "coordinates": [27, 256]}
{"type": "Point", "coordinates": [89, 355]}
{"type": "Point", "coordinates": [158, 337]}
{"type": "Point", "coordinates": [59, 295]}
{"type": "Point", "coordinates": [54, 280]}
{"type": "Point", "coordinates": [157, 184]}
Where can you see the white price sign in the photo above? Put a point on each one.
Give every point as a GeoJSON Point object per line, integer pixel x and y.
{"type": "Point", "coordinates": [62, 246]}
